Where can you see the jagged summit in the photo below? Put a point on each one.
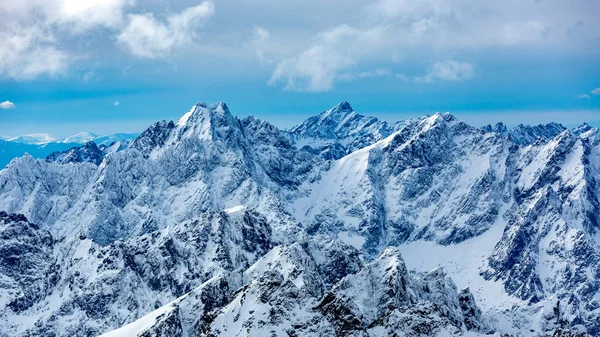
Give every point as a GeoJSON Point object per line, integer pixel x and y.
{"type": "Point", "coordinates": [499, 128]}
{"type": "Point", "coordinates": [89, 152]}
{"type": "Point", "coordinates": [202, 115]}
{"type": "Point", "coordinates": [342, 109]}
{"type": "Point", "coordinates": [581, 129]}
{"type": "Point", "coordinates": [220, 107]}
{"type": "Point", "coordinates": [197, 112]}
{"type": "Point", "coordinates": [527, 134]}
{"type": "Point", "coordinates": [339, 131]}
{"type": "Point", "coordinates": [327, 123]}
{"type": "Point", "coordinates": [343, 106]}
{"type": "Point", "coordinates": [438, 116]}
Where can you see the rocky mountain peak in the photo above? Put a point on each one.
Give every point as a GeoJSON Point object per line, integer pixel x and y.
{"type": "Point", "coordinates": [206, 122]}
{"type": "Point", "coordinates": [339, 131]}
{"type": "Point", "coordinates": [527, 134]}
{"type": "Point", "coordinates": [154, 136]}
{"type": "Point", "coordinates": [340, 110]}
{"type": "Point", "coordinates": [89, 152]}
{"type": "Point", "coordinates": [327, 123]}
{"type": "Point", "coordinates": [581, 129]}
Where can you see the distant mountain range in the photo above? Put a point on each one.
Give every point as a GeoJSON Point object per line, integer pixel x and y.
{"type": "Point", "coordinates": [40, 145]}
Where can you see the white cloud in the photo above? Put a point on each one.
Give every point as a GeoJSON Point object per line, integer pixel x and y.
{"type": "Point", "coordinates": [116, 103]}
{"type": "Point", "coordinates": [75, 15]}
{"type": "Point", "coordinates": [448, 71]}
{"type": "Point", "coordinates": [28, 53]}
{"type": "Point", "coordinates": [455, 24]}
{"type": "Point", "coordinates": [7, 105]}
{"type": "Point", "coordinates": [87, 14]}
{"type": "Point", "coordinates": [379, 72]}
{"type": "Point", "coordinates": [145, 36]}
{"type": "Point", "coordinates": [409, 30]}
{"type": "Point", "coordinates": [318, 67]}
{"type": "Point", "coordinates": [402, 77]}
{"type": "Point", "coordinates": [31, 32]}
{"type": "Point", "coordinates": [259, 41]}
{"type": "Point", "coordinates": [69, 31]}
{"type": "Point", "coordinates": [596, 91]}
{"type": "Point", "coordinates": [313, 70]}
{"type": "Point", "coordinates": [583, 96]}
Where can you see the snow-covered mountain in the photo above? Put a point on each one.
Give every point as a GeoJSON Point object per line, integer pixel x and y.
{"type": "Point", "coordinates": [528, 134]}
{"type": "Point", "coordinates": [339, 131]}
{"type": "Point", "coordinates": [34, 138]}
{"type": "Point", "coordinates": [81, 137]}
{"type": "Point", "coordinates": [214, 225]}
{"type": "Point", "coordinates": [319, 288]}
{"type": "Point", "coordinates": [89, 152]}
{"type": "Point", "coordinates": [109, 139]}
{"type": "Point", "coordinates": [10, 150]}
{"type": "Point", "coordinates": [42, 145]}
{"type": "Point", "coordinates": [78, 138]}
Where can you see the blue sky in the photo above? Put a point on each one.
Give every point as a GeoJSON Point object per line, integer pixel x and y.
{"type": "Point", "coordinates": [66, 63]}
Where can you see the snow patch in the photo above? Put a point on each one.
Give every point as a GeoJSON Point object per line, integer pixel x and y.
{"type": "Point", "coordinates": [351, 239]}
{"type": "Point", "coordinates": [234, 209]}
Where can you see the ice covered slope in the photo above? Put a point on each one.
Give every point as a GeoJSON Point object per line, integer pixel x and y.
{"type": "Point", "coordinates": [434, 179]}
{"type": "Point", "coordinates": [440, 180]}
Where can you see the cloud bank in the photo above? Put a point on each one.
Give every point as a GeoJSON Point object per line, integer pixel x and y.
{"type": "Point", "coordinates": [349, 40]}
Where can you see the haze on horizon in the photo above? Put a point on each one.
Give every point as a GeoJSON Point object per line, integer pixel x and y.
{"type": "Point", "coordinates": [119, 65]}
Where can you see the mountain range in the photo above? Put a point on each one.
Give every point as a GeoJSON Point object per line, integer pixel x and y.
{"type": "Point", "coordinates": [343, 225]}
{"type": "Point", "coordinates": [40, 145]}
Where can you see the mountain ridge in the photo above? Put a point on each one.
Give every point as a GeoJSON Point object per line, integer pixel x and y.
{"type": "Point", "coordinates": [434, 184]}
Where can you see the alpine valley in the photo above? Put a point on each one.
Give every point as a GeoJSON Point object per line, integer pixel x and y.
{"type": "Point", "coordinates": [344, 225]}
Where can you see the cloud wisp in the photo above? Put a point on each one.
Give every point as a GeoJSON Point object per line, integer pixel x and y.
{"type": "Point", "coordinates": [34, 32]}
{"type": "Point", "coordinates": [426, 27]}
{"type": "Point", "coordinates": [31, 32]}
{"type": "Point", "coordinates": [7, 105]}
{"type": "Point", "coordinates": [448, 71]}
{"type": "Point", "coordinates": [298, 52]}
{"type": "Point", "coordinates": [319, 67]}
{"type": "Point", "coordinates": [146, 36]}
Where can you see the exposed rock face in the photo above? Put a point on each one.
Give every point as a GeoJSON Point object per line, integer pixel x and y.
{"type": "Point", "coordinates": [25, 262]}
{"type": "Point", "coordinates": [526, 134]}
{"type": "Point", "coordinates": [214, 225]}
{"type": "Point", "coordinates": [106, 286]}
{"type": "Point", "coordinates": [89, 152]}
{"type": "Point", "coordinates": [290, 292]}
